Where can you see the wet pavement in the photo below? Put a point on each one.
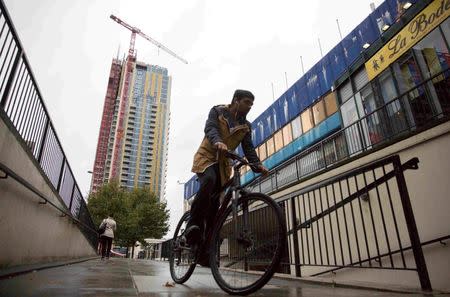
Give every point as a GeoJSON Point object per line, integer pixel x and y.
{"type": "Point", "coordinates": [145, 278]}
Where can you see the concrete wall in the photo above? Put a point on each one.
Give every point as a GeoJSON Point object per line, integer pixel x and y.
{"type": "Point", "coordinates": [429, 189]}
{"type": "Point", "coordinates": [30, 232]}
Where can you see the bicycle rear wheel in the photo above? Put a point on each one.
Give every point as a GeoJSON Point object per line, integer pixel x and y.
{"type": "Point", "coordinates": [246, 246]}
{"type": "Point", "coordinates": [182, 259]}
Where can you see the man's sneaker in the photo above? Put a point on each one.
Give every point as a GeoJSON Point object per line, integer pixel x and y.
{"type": "Point", "coordinates": [193, 235]}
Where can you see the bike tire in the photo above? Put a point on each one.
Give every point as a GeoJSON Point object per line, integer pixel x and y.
{"type": "Point", "coordinates": [239, 246]}
{"type": "Point", "coordinates": [180, 276]}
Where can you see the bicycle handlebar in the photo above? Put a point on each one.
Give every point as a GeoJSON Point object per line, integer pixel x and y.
{"type": "Point", "coordinates": [234, 156]}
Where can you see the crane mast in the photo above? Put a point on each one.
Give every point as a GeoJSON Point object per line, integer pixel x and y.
{"type": "Point", "coordinates": [131, 58]}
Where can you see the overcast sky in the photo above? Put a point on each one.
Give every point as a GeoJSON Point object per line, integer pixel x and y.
{"type": "Point", "coordinates": [228, 44]}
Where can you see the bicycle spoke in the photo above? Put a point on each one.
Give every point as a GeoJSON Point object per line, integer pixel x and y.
{"type": "Point", "coordinates": [182, 257]}
{"type": "Point", "coordinates": [249, 243]}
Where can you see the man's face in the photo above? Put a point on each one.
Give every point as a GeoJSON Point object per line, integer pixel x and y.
{"type": "Point", "coordinates": [244, 105]}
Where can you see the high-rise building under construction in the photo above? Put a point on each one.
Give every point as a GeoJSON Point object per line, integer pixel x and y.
{"type": "Point", "coordinates": [133, 139]}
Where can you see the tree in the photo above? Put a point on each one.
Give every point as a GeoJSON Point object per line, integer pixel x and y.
{"type": "Point", "coordinates": [108, 200]}
{"type": "Point", "coordinates": [138, 213]}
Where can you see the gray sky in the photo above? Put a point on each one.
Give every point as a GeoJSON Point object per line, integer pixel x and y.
{"type": "Point", "coordinates": [229, 44]}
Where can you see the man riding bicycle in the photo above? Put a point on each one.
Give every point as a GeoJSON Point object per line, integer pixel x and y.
{"type": "Point", "coordinates": [226, 128]}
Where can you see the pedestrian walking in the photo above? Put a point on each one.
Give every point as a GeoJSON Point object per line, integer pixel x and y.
{"type": "Point", "coordinates": [107, 236]}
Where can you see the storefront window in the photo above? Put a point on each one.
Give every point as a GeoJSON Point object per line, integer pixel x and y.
{"type": "Point", "coordinates": [433, 58]}
{"type": "Point", "coordinates": [368, 99]}
{"type": "Point", "coordinates": [278, 138]}
{"type": "Point", "coordinates": [396, 113]}
{"type": "Point", "coordinates": [307, 120]}
{"type": "Point", "coordinates": [432, 54]}
{"type": "Point", "coordinates": [387, 86]}
{"type": "Point", "coordinates": [296, 127]}
{"type": "Point", "coordinates": [287, 134]}
{"type": "Point", "coordinates": [330, 103]}
{"type": "Point", "coordinates": [407, 73]}
{"type": "Point", "coordinates": [408, 76]}
{"type": "Point", "coordinates": [319, 112]}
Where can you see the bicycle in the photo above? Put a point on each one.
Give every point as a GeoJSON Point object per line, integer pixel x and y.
{"type": "Point", "coordinates": [243, 252]}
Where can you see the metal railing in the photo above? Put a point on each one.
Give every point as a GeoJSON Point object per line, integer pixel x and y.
{"type": "Point", "coordinates": [165, 249]}
{"type": "Point", "coordinates": [21, 101]}
{"type": "Point", "coordinates": [421, 107]}
{"type": "Point", "coordinates": [359, 219]}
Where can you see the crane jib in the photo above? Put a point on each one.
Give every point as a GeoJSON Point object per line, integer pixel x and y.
{"type": "Point", "coordinates": [135, 30]}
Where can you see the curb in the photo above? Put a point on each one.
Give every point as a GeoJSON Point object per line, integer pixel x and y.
{"type": "Point", "coordinates": [15, 271]}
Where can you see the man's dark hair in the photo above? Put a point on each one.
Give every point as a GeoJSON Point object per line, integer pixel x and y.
{"type": "Point", "coordinates": [239, 94]}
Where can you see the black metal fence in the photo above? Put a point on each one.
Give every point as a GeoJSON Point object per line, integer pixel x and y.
{"type": "Point", "coordinates": [165, 249]}
{"type": "Point", "coordinates": [359, 219]}
{"type": "Point", "coordinates": [21, 101]}
{"type": "Point", "coordinates": [419, 108]}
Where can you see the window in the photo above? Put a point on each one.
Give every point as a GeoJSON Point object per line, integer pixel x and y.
{"type": "Point", "coordinates": [407, 73]}
{"type": "Point", "coordinates": [296, 127]}
{"type": "Point", "coordinates": [330, 103]}
{"type": "Point", "coordinates": [345, 91]}
{"type": "Point", "coordinates": [432, 54]}
{"type": "Point", "coordinates": [278, 138]}
{"type": "Point", "coordinates": [433, 58]}
{"type": "Point", "coordinates": [262, 152]}
{"type": "Point", "coordinates": [270, 147]}
{"type": "Point", "coordinates": [360, 79]}
{"type": "Point", "coordinates": [287, 134]}
{"type": "Point", "coordinates": [388, 92]}
{"type": "Point", "coordinates": [307, 120]}
{"type": "Point", "coordinates": [446, 28]}
{"type": "Point", "coordinates": [349, 113]}
{"type": "Point", "coordinates": [243, 170]}
{"type": "Point", "coordinates": [318, 110]}
{"type": "Point", "coordinates": [387, 86]}
{"type": "Point", "coordinates": [368, 99]}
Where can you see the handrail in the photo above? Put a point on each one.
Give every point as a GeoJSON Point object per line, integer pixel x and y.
{"type": "Point", "coordinates": [10, 173]}
{"type": "Point", "coordinates": [23, 107]}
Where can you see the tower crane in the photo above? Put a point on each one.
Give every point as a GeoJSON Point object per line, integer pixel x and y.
{"type": "Point", "coordinates": [135, 31]}
{"type": "Point", "coordinates": [125, 90]}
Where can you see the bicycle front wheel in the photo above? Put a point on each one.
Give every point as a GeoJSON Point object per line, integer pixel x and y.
{"type": "Point", "coordinates": [247, 244]}
{"type": "Point", "coordinates": [182, 258]}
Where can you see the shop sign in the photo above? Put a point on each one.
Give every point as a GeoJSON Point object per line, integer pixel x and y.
{"type": "Point", "coordinates": [417, 28]}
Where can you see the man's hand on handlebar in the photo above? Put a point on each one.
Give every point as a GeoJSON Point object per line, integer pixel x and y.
{"type": "Point", "coordinates": [261, 169]}
{"type": "Point", "coordinates": [256, 167]}
{"type": "Point", "coordinates": [222, 147]}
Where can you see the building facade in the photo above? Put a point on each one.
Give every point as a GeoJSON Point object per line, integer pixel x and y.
{"type": "Point", "coordinates": [140, 104]}
{"type": "Point", "coordinates": [105, 125]}
{"type": "Point", "coordinates": [383, 91]}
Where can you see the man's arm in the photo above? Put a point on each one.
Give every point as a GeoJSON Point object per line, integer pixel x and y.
{"type": "Point", "coordinates": [212, 127]}
{"type": "Point", "coordinates": [249, 149]}
{"type": "Point", "coordinates": [250, 153]}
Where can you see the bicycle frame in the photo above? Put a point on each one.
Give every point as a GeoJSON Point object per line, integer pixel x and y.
{"type": "Point", "coordinates": [235, 190]}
